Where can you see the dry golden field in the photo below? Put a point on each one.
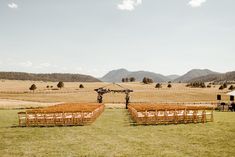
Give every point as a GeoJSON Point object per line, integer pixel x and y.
{"type": "Point", "coordinates": [19, 90]}
{"type": "Point", "coordinates": [113, 133]}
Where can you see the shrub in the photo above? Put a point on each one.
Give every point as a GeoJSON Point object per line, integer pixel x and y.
{"type": "Point", "coordinates": [169, 85]}
{"type": "Point", "coordinates": [196, 85]}
{"type": "Point", "coordinates": [187, 85]}
{"type": "Point", "coordinates": [147, 80]}
{"type": "Point", "coordinates": [221, 87]}
{"type": "Point", "coordinates": [158, 85]}
{"type": "Point", "coordinates": [208, 86]}
{"type": "Point", "coordinates": [231, 87]}
{"type": "Point", "coordinates": [203, 85]}
{"type": "Point", "coordinates": [48, 86]}
{"type": "Point", "coordinates": [60, 85]}
{"type": "Point", "coordinates": [123, 79]}
{"type": "Point", "coordinates": [132, 79]}
{"type": "Point", "coordinates": [150, 80]}
{"type": "Point", "coordinates": [225, 85]}
{"type": "Point", "coordinates": [81, 86]}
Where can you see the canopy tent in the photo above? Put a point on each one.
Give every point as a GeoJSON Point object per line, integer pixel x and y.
{"type": "Point", "coordinates": [231, 93]}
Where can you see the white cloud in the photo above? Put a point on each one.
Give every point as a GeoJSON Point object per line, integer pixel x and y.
{"type": "Point", "coordinates": [196, 3]}
{"type": "Point", "coordinates": [12, 5]}
{"type": "Point", "coordinates": [129, 5]}
{"type": "Point", "coordinates": [26, 64]}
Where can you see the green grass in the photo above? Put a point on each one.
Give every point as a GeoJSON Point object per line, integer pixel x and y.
{"type": "Point", "coordinates": [113, 135]}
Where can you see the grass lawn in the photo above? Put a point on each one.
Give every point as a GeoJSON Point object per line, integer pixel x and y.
{"type": "Point", "coordinates": [113, 134]}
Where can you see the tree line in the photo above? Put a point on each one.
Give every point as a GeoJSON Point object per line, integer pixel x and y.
{"type": "Point", "coordinates": [199, 84]}
{"type": "Point", "coordinates": [130, 79]}
{"type": "Point", "coordinates": [196, 84]}
{"type": "Point", "coordinates": [53, 77]}
{"type": "Point", "coordinates": [145, 80]}
{"type": "Point", "coordinates": [224, 86]}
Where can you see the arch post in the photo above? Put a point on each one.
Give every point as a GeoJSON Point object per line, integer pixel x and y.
{"type": "Point", "coordinates": [127, 99]}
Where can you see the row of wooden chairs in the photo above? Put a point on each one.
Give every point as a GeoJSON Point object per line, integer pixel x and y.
{"type": "Point", "coordinates": [58, 118]}
{"type": "Point", "coordinates": [170, 116]}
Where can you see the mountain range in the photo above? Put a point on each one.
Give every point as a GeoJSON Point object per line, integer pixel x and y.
{"type": "Point", "coordinates": [193, 74]}
{"type": "Point", "coordinates": [204, 75]}
{"type": "Point", "coordinates": [117, 75]}
{"type": "Point", "coordinates": [217, 77]}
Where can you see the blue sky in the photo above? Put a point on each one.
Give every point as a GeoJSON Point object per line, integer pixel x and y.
{"type": "Point", "coordinates": [95, 36]}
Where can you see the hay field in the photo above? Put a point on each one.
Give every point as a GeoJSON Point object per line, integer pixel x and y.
{"type": "Point", "coordinates": [19, 90]}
